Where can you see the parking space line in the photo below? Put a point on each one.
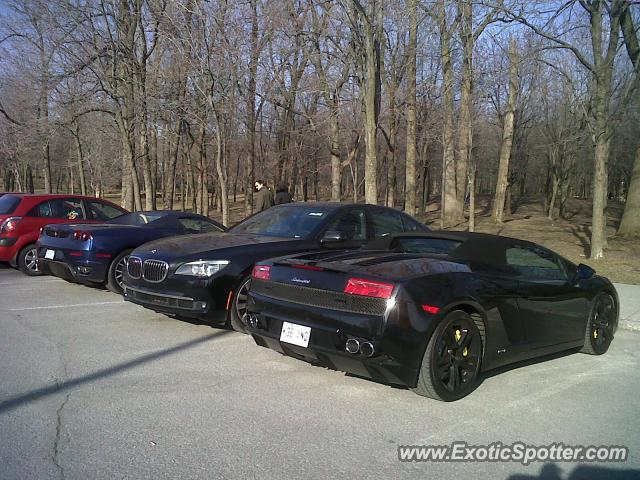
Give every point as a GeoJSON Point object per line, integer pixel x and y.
{"type": "Point", "coordinates": [31, 284]}
{"type": "Point", "coordinates": [66, 306]}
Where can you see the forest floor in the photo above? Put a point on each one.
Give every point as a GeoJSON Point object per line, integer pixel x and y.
{"type": "Point", "coordinates": [568, 236]}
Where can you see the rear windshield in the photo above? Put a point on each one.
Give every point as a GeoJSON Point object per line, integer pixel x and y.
{"type": "Point", "coordinates": [8, 204]}
{"type": "Point", "coordinates": [443, 246]}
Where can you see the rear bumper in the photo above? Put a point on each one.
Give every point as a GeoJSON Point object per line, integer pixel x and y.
{"type": "Point", "coordinates": [327, 341]}
{"type": "Point", "coordinates": [83, 268]}
{"type": "Point", "coordinates": [96, 273]}
{"type": "Point", "coordinates": [381, 369]}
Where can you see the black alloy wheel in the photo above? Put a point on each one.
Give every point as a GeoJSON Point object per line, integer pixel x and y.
{"type": "Point", "coordinates": [600, 327]}
{"type": "Point", "coordinates": [451, 362]}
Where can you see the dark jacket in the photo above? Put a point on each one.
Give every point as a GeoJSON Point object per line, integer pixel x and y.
{"type": "Point", "coordinates": [264, 199]}
{"type": "Point", "coordinates": [282, 194]}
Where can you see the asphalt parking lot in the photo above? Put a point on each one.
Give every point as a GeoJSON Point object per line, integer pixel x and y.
{"type": "Point", "coordinates": [92, 387]}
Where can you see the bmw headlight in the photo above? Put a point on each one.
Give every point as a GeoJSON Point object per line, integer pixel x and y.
{"type": "Point", "coordinates": [202, 268]}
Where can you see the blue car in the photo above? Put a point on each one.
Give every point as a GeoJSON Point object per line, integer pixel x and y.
{"type": "Point", "coordinates": [98, 253]}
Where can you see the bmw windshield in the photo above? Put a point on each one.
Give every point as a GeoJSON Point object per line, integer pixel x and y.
{"type": "Point", "coordinates": [286, 221]}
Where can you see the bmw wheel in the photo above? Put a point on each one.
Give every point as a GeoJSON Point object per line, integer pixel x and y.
{"type": "Point", "coordinates": [239, 307]}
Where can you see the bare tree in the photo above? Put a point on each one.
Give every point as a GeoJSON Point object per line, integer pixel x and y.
{"type": "Point", "coordinates": [410, 167]}
{"type": "Point", "coordinates": [328, 44]}
{"type": "Point", "coordinates": [449, 199]}
{"type": "Point", "coordinates": [630, 223]}
{"type": "Point", "coordinates": [507, 133]}
{"type": "Point", "coordinates": [32, 30]}
{"type": "Point", "coordinates": [366, 23]}
{"type": "Point", "coordinates": [604, 33]}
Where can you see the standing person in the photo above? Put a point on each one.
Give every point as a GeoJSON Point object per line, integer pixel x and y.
{"type": "Point", "coordinates": [282, 194]}
{"type": "Point", "coordinates": [264, 198]}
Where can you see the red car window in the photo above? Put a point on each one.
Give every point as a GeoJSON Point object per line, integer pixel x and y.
{"type": "Point", "coordinates": [42, 210]}
{"type": "Point", "coordinates": [67, 208]}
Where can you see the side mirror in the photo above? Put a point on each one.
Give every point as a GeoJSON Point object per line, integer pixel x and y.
{"type": "Point", "coordinates": [333, 236]}
{"type": "Point", "coordinates": [583, 272]}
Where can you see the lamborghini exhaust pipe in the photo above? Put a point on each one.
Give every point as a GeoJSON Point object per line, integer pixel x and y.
{"type": "Point", "coordinates": [363, 347]}
{"type": "Point", "coordinates": [352, 346]}
{"type": "Point", "coordinates": [367, 349]}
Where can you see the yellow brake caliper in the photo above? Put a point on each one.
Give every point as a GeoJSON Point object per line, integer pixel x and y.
{"type": "Point", "coordinates": [458, 336]}
{"type": "Point", "coordinates": [595, 333]}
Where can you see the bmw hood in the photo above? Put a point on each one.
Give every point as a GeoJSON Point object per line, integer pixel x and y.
{"type": "Point", "coordinates": [188, 245]}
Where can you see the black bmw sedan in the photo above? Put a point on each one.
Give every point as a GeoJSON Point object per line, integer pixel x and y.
{"type": "Point", "coordinates": [206, 276]}
{"type": "Point", "coordinates": [430, 311]}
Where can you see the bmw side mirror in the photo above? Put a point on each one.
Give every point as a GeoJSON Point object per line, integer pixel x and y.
{"type": "Point", "coordinates": [583, 272]}
{"type": "Point", "coordinates": [333, 236]}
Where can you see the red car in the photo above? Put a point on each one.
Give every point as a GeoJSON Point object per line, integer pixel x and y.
{"type": "Point", "coordinates": [23, 215]}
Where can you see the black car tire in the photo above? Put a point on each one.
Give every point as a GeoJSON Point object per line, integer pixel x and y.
{"type": "Point", "coordinates": [600, 325]}
{"type": "Point", "coordinates": [25, 260]}
{"type": "Point", "coordinates": [239, 298]}
{"type": "Point", "coordinates": [455, 357]}
{"type": "Point", "coordinates": [116, 269]}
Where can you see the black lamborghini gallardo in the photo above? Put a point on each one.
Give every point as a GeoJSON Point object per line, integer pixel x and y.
{"type": "Point", "coordinates": [430, 310]}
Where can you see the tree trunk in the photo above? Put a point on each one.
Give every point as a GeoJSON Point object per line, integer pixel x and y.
{"type": "Point", "coordinates": [554, 193]}
{"type": "Point", "coordinates": [80, 158]}
{"type": "Point", "coordinates": [222, 178]}
{"type": "Point", "coordinates": [410, 166]}
{"type": "Point", "coordinates": [603, 73]}
{"type": "Point", "coordinates": [149, 192]}
{"type": "Point", "coordinates": [43, 114]}
{"type": "Point", "coordinates": [449, 199]}
{"type": "Point", "coordinates": [127, 187]}
{"type": "Point", "coordinates": [630, 224]}
{"type": "Point", "coordinates": [170, 169]}
{"type": "Point", "coordinates": [204, 175]}
{"type": "Point", "coordinates": [131, 186]}
{"type": "Point", "coordinates": [465, 130]}
{"type": "Point", "coordinates": [336, 161]}
{"type": "Point", "coordinates": [372, 90]}
{"type": "Point", "coordinates": [507, 135]}
{"type": "Point", "coordinates": [251, 111]}
{"type": "Point", "coordinates": [472, 198]}
{"type": "Point", "coordinates": [143, 124]}
{"type": "Point", "coordinates": [391, 160]}
{"type": "Point", "coordinates": [598, 217]}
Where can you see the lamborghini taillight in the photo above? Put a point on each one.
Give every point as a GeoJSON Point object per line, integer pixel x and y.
{"type": "Point", "coordinates": [369, 288]}
{"type": "Point", "coordinates": [261, 272]}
